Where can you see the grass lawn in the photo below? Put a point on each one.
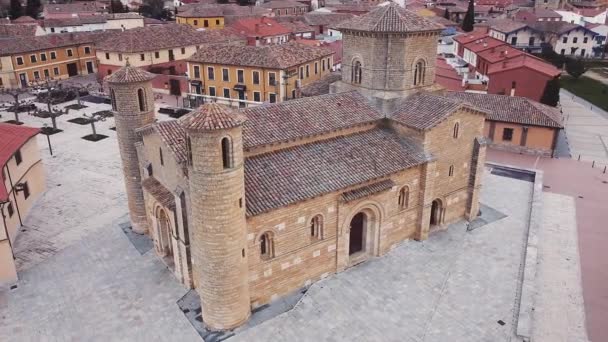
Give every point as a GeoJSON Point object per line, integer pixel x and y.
{"type": "Point", "coordinates": [589, 89]}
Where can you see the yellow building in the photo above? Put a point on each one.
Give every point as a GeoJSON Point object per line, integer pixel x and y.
{"type": "Point", "coordinates": [57, 56]}
{"type": "Point", "coordinates": [207, 17]}
{"type": "Point", "coordinates": [248, 75]}
{"type": "Point", "coordinates": [22, 182]}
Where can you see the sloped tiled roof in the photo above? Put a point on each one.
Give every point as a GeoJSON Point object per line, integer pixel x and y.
{"type": "Point", "coordinates": [259, 27]}
{"type": "Point", "coordinates": [24, 19]}
{"type": "Point", "coordinates": [14, 31]}
{"type": "Point", "coordinates": [268, 56]}
{"type": "Point", "coordinates": [309, 116]}
{"type": "Point", "coordinates": [173, 135]}
{"type": "Point", "coordinates": [367, 190]}
{"type": "Point", "coordinates": [506, 25]}
{"type": "Point", "coordinates": [28, 44]}
{"type": "Point", "coordinates": [425, 110]}
{"type": "Point", "coordinates": [303, 172]}
{"type": "Point", "coordinates": [325, 19]}
{"type": "Point", "coordinates": [389, 18]}
{"type": "Point", "coordinates": [12, 137]}
{"type": "Point", "coordinates": [211, 116]}
{"type": "Point", "coordinates": [130, 74]}
{"type": "Point", "coordinates": [274, 4]}
{"type": "Point", "coordinates": [321, 86]}
{"type": "Point", "coordinates": [158, 37]}
{"type": "Point", "coordinates": [513, 109]}
{"type": "Point", "coordinates": [159, 192]}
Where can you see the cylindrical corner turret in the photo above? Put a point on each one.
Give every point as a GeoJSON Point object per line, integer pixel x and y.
{"type": "Point", "coordinates": [133, 107]}
{"type": "Point", "coordinates": [217, 189]}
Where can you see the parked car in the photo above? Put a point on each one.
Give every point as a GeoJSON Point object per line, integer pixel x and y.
{"type": "Point", "coordinates": [40, 90]}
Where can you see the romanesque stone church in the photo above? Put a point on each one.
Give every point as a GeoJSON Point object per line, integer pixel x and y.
{"type": "Point", "coordinates": [250, 205]}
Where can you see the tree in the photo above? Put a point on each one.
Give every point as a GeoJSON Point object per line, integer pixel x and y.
{"type": "Point", "coordinates": [468, 23]}
{"type": "Point", "coordinates": [50, 87]}
{"type": "Point", "coordinates": [16, 10]}
{"type": "Point", "coordinates": [95, 117]}
{"type": "Point", "coordinates": [551, 94]}
{"type": "Point", "coordinates": [446, 14]}
{"type": "Point", "coordinates": [155, 9]}
{"type": "Point", "coordinates": [575, 67]}
{"type": "Point", "coordinates": [16, 105]}
{"type": "Point", "coordinates": [116, 6]}
{"type": "Point", "coordinates": [33, 8]}
{"type": "Point", "coordinates": [222, 1]}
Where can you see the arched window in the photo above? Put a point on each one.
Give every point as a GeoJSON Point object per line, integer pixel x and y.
{"type": "Point", "coordinates": [227, 153]}
{"type": "Point", "coordinates": [113, 99]}
{"type": "Point", "coordinates": [419, 73]}
{"type": "Point", "coordinates": [404, 197]}
{"type": "Point", "coordinates": [316, 227]}
{"type": "Point", "coordinates": [456, 129]}
{"type": "Point", "coordinates": [451, 171]}
{"type": "Point", "coordinates": [142, 100]}
{"type": "Point", "coordinates": [266, 246]}
{"type": "Point", "coordinates": [356, 72]}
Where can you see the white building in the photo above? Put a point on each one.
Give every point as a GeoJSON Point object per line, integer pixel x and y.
{"type": "Point", "coordinates": [117, 21]}
{"type": "Point", "coordinates": [583, 17]}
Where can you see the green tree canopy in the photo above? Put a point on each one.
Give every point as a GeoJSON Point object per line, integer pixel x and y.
{"type": "Point", "coordinates": [576, 67]}
{"type": "Point", "coordinates": [16, 10]}
{"type": "Point", "coordinates": [551, 94]}
{"type": "Point", "coordinates": [468, 23]}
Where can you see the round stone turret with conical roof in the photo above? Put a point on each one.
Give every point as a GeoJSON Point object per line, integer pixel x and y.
{"type": "Point", "coordinates": [219, 233]}
{"type": "Point", "coordinates": [133, 105]}
{"type": "Point", "coordinates": [388, 53]}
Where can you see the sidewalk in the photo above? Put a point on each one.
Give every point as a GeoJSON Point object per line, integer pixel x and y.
{"type": "Point", "coordinates": [589, 187]}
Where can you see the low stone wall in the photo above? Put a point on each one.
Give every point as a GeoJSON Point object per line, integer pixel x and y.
{"type": "Point", "coordinates": [522, 149]}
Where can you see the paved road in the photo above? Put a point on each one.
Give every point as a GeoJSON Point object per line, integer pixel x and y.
{"type": "Point", "coordinates": [589, 187]}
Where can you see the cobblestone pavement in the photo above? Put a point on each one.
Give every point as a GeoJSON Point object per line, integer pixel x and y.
{"type": "Point", "coordinates": [98, 289]}
{"type": "Point", "coordinates": [456, 286]}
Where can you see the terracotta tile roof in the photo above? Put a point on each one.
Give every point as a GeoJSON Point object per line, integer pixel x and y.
{"type": "Point", "coordinates": [270, 56]}
{"type": "Point", "coordinates": [211, 116]}
{"type": "Point", "coordinates": [51, 41]}
{"type": "Point", "coordinates": [389, 18]}
{"type": "Point", "coordinates": [485, 43]}
{"type": "Point", "coordinates": [558, 27]}
{"type": "Point", "coordinates": [303, 172]}
{"type": "Point", "coordinates": [500, 53]}
{"type": "Point", "coordinates": [506, 25]}
{"type": "Point", "coordinates": [75, 7]}
{"type": "Point", "coordinates": [259, 27]}
{"type": "Point", "coordinates": [446, 76]}
{"type": "Point", "coordinates": [129, 74]}
{"type": "Point", "coordinates": [326, 19]}
{"type": "Point", "coordinates": [367, 190]}
{"type": "Point", "coordinates": [159, 37]}
{"type": "Point", "coordinates": [469, 37]}
{"type": "Point", "coordinates": [78, 21]}
{"type": "Point", "coordinates": [159, 192]}
{"type": "Point", "coordinates": [173, 135]}
{"type": "Point", "coordinates": [12, 138]}
{"type": "Point", "coordinates": [425, 110]}
{"type": "Point", "coordinates": [297, 27]}
{"type": "Point", "coordinates": [206, 11]}
{"type": "Point", "coordinates": [14, 31]}
{"type": "Point", "coordinates": [525, 61]}
{"type": "Point", "coordinates": [273, 123]}
{"type": "Point", "coordinates": [320, 87]}
{"type": "Point", "coordinates": [512, 109]}
{"type": "Point", "coordinates": [275, 4]}
{"type": "Point", "coordinates": [24, 19]}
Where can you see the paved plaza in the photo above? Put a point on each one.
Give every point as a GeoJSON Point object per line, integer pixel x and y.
{"type": "Point", "coordinates": [81, 279]}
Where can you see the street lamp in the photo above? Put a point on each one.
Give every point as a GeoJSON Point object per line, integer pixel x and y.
{"type": "Point", "coordinates": [46, 131]}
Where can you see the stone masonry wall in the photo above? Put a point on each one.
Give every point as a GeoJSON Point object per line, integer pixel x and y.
{"type": "Point", "coordinates": [128, 118]}
{"type": "Point", "coordinates": [218, 229]}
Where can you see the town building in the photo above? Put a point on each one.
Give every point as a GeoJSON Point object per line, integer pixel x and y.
{"type": "Point", "coordinates": [58, 56]}
{"type": "Point", "coordinates": [22, 182]}
{"type": "Point", "coordinates": [16, 30]}
{"type": "Point", "coordinates": [262, 31]}
{"type": "Point", "coordinates": [208, 17]}
{"type": "Point", "coordinates": [567, 39]}
{"type": "Point", "coordinates": [548, 4]}
{"type": "Point", "coordinates": [537, 14]}
{"type": "Point", "coordinates": [516, 124]}
{"type": "Point", "coordinates": [162, 50]}
{"type": "Point", "coordinates": [495, 67]}
{"type": "Point", "coordinates": [584, 16]}
{"type": "Point", "coordinates": [519, 34]}
{"type": "Point", "coordinates": [286, 7]}
{"type": "Point", "coordinates": [244, 76]}
{"type": "Point", "coordinates": [116, 21]}
{"type": "Point", "coordinates": [600, 39]}
{"type": "Point", "coordinates": [74, 9]}
{"type": "Point", "coordinates": [323, 21]}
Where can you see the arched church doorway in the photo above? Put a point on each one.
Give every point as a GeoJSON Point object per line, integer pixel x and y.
{"type": "Point", "coordinates": [163, 232]}
{"type": "Point", "coordinates": [436, 212]}
{"type": "Point", "coordinates": [357, 233]}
